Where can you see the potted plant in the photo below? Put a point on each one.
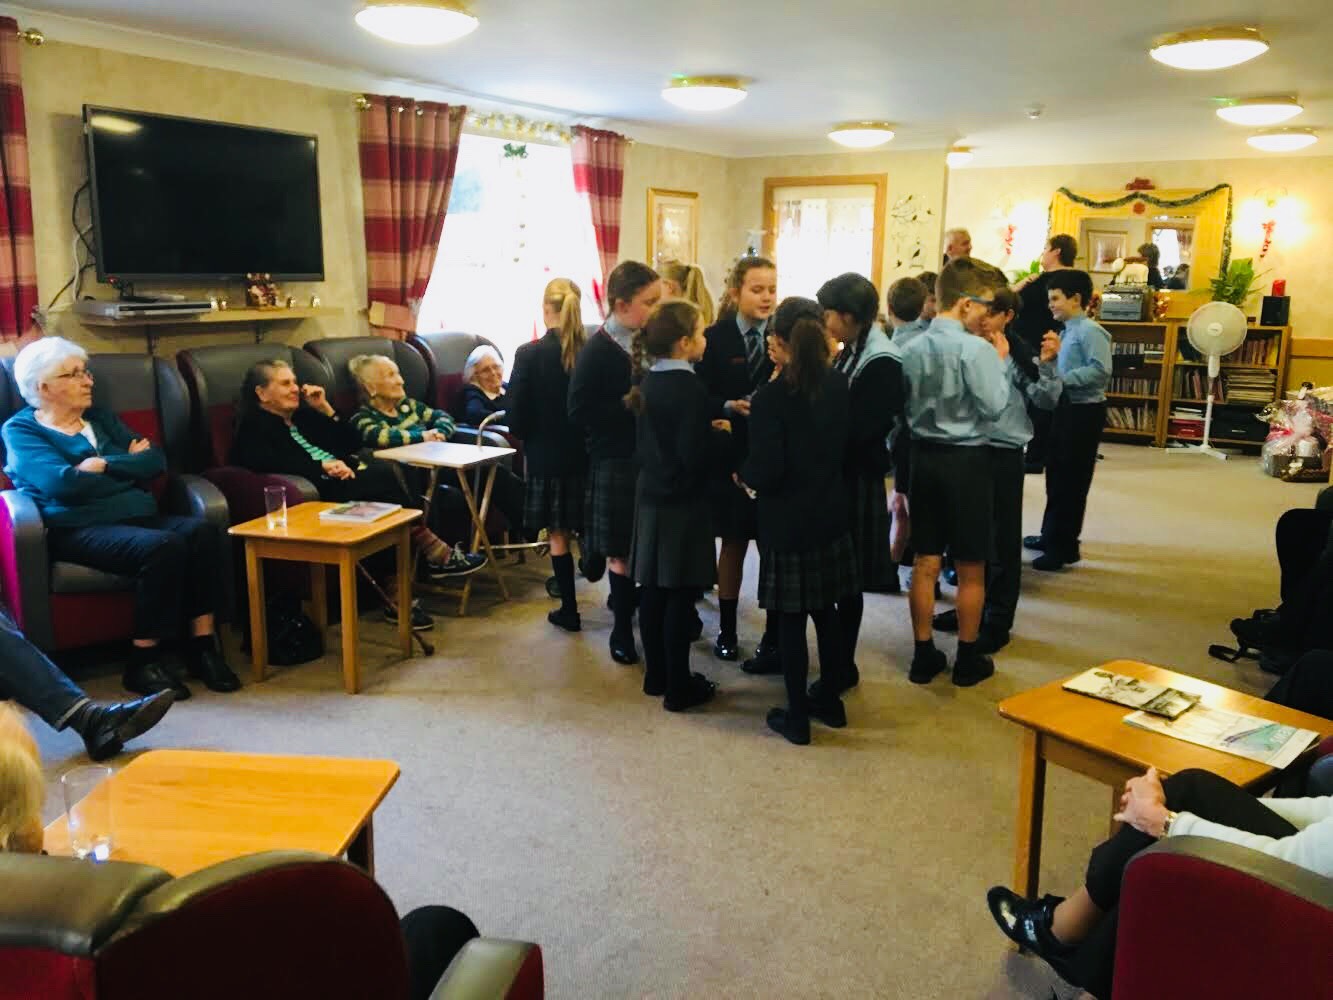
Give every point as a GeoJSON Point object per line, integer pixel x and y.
{"type": "Point", "coordinates": [1236, 284]}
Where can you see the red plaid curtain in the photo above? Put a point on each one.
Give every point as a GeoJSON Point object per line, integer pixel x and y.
{"type": "Point", "coordinates": [18, 259]}
{"type": "Point", "coordinates": [408, 153]}
{"type": "Point", "coordinates": [599, 176]}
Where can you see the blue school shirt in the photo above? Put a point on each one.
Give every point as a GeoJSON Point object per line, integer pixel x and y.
{"type": "Point", "coordinates": [1085, 360]}
{"type": "Point", "coordinates": [1013, 428]}
{"type": "Point", "coordinates": [908, 332]}
{"type": "Point", "coordinates": [955, 384]}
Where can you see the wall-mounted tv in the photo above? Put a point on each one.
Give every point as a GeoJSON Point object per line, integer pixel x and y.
{"type": "Point", "coordinates": [188, 200]}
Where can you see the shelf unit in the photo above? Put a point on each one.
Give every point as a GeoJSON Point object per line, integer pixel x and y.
{"type": "Point", "coordinates": [1168, 336]}
{"type": "Point", "coordinates": [256, 319]}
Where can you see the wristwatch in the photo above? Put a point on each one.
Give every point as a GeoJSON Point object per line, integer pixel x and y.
{"type": "Point", "coordinates": [1166, 826]}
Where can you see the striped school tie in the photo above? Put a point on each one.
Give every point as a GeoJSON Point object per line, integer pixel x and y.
{"type": "Point", "coordinates": [754, 351]}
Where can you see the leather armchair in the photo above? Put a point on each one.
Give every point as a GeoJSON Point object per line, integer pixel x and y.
{"type": "Point", "coordinates": [1201, 917]}
{"type": "Point", "coordinates": [336, 352]}
{"type": "Point", "coordinates": [65, 606]}
{"type": "Point", "coordinates": [283, 924]}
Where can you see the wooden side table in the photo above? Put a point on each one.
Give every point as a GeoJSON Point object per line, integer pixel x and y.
{"type": "Point", "coordinates": [308, 539]}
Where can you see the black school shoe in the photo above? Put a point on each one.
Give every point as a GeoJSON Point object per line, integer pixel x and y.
{"type": "Point", "coordinates": [816, 692]}
{"type": "Point", "coordinates": [106, 728]}
{"type": "Point", "coordinates": [570, 621]}
{"type": "Point", "coordinates": [927, 665]}
{"type": "Point", "coordinates": [152, 676]}
{"type": "Point", "coordinates": [973, 669]}
{"type": "Point", "coordinates": [1048, 562]}
{"type": "Point", "coordinates": [624, 651]}
{"type": "Point", "coordinates": [766, 660]}
{"type": "Point", "coordinates": [830, 711]}
{"type": "Point", "coordinates": [1034, 542]}
{"type": "Point", "coordinates": [727, 647]}
{"type": "Point", "coordinates": [698, 692]}
{"type": "Point", "coordinates": [795, 728]}
{"type": "Point", "coordinates": [1028, 925]}
{"type": "Point", "coordinates": [205, 663]}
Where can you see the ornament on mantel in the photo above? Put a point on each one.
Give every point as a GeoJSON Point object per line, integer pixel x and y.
{"type": "Point", "coordinates": [1140, 208]}
{"type": "Point", "coordinates": [1140, 184]}
{"type": "Point", "coordinates": [1007, 238]}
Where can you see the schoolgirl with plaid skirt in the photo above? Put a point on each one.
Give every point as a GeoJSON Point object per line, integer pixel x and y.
{"type": "Point", "coordinates": [798, 435]}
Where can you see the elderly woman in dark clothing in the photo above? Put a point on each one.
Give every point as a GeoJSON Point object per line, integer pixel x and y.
{"type": "Point", "coordinates": [484, 391]}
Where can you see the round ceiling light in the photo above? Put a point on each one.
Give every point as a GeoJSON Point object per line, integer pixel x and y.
{"type": "Point", "coordinates": [704, 93]}
{"type": "Point", "coordinates": [416, 22]}
{"type": "Point", "coordinates": [1283, 140]}
{"type": "Point", "coordinates": [1260, 110]}
{"type": "Point", "coordinates": [1209, 48]}
{"type": "Point", "coordinates": [861, 135]}
{"type": "Point", "coordinates": [959, 156]}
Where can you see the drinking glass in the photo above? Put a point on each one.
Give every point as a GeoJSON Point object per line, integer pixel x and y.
{"type": "Point", "coordinates": [275, 504]}
{"type": "Point", "coordinates": [88, 809]}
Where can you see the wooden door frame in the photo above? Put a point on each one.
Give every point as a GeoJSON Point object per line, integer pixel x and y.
{"type": "Point", "coordinates": [880, 182]}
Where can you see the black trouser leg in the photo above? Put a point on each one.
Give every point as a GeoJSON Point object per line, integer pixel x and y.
{"type": "Point", "coordinates": [850, 611]}
{"type": "Point", "coordinates": [1301, 535]}
{"type": "Point", "coordinates": [1194, 791]}
{"type": "Point", "coordinates": [1076, 433]}
{"type": "Point", "coordinates": [834, 663]}
{"type": "Point", "coordinates": [795, 660]}
{"type": "Point", "coordinates": [433, 935]}
{"type": "Point", "coordinates": [679, 606]}
{"type": "Point", "coordinates": [1006, 568]}
{"type": "Point", "coordinates": [652, 629]}
{"type": "Point", "coordinates": [1308, 685]}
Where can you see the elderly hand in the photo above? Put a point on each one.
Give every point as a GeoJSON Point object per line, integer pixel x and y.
{"type": "Point", "coordinates": [314, 396]}
{"type": "Point", "coordinates": [1050, 347]}
{"type": "Point", "coordinates": [1143, 806]}
{"type": "Point", "coordinates": [139, 444]}
{"type": "Point", "coordinates": [338, 469]}
{"type": "Point", "coordinates": [93, 463]}
{"type": "Point", "coordinates": [434, 436]}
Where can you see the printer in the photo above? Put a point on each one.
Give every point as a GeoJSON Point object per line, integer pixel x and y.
{"type": "Point", "coordinates": [1126, 303]}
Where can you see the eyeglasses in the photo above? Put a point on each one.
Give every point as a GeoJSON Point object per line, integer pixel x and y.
{"type": "Point", "coordinates": [77, 373]}
{"type": "Point", "coordinates": [988, 303]}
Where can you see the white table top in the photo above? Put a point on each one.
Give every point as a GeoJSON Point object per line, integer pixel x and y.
{"type": "Point", "coordinates": [444, 454]}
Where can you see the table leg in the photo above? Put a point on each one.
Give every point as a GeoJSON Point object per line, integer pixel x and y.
{"type": "Point", "coordinates": [1031, 799]}
{"type": "Point", "coordinates": [319, 599]}
{"type": "Point", "coordinates": [361, 851]}
{"type": "Point", "coordinates": [347, 591]}
{"type": "Point", "coordinates": [254, 575]}
{"type": "Point", "coordinates": [404, 550]}
{"type": "Point", "coordinates": [479, 522]}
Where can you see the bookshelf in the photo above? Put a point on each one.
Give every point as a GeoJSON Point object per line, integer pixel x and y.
{"type": "Point", "coordinates": [1156, 371]}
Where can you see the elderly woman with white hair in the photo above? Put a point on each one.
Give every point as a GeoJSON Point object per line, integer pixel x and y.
{"type": "Point", "coordinates": [84, 469]}
{"type": "Point", "coordinates": [484, 395]}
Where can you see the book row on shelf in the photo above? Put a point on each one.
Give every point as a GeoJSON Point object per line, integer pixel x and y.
{"type": "Point", "coordinates": [1131, 418]}
{"type": "Point", "coordinates": [1136, 347]}
{"type": "Point", "coordinates": [1233, 386]}
{"type": "Point", "coordinates": [1124, 386]}
{"type": "Point", "coordinates": [1256, 351]}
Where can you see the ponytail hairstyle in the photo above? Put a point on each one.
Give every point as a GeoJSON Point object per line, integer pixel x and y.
{"type": "Point", "coordinates": [693, 288]}
{"type": "Point", "coordinates": [667, 325]}
{"type": "Point", "coordinates": [857, 297]}
{"type": "Point", "coordinates": [629, 278]}
{"type": "Point", "coordinates": [799, 323]}
{"type": "Point", "coordinates": [736, 281]}
{"type": "Point", "coordinates": [564, 296]}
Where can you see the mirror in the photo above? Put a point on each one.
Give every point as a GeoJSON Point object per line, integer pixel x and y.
{"type": "Point", "coordinates": [1111, 250]}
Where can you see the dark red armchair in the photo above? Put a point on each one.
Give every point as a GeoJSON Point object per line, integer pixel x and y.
{"type": "Point", "coordinates": [445, 354]}
{"type": "Point", "coordinates": [65, 606]}
{"type": "Point", "coordinates": [336, 352]}
{"type": "Point", "coordinates": [283, 924]}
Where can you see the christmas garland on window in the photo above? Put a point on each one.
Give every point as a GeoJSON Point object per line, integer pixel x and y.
{"type": "Point", "coordinates": [1149, 198]}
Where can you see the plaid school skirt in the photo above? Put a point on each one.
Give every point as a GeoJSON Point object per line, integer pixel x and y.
{"type": "Point", "coordinates": [609, 510]}
{"type": "Point", "coordinates": [869, 510]}
{"type": "Point", "coordinates": [554, 502]}
{"type": "Point", "coordinates": [808, 581]}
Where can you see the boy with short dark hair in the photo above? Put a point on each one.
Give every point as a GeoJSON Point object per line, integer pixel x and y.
{"type": "Point", "coordinates": [906, 298]}
{"type": "Point", "coordinates": [1084, 365]}
{"type": "Point", "coordinates": [955, 384]}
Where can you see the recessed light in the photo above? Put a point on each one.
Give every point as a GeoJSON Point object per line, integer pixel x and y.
{"type": "Point", "coordinates": [861, 135]}
{"type": "Point", "coordinates": [1209, 48]}
{"type": "Point", "coordinates": [416, 22]}
{"type": "Point", "coordinates": [959, 156]}
{"type": "Point", "coordinates": [1283, 140]}
{"type": "Point", "coordinates": [704, 93]}
{"type": "Point", "coordinates": [1260, 110]}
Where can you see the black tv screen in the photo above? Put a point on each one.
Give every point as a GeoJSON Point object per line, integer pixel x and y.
{"type": "Point", "coordinates": [177, 198]}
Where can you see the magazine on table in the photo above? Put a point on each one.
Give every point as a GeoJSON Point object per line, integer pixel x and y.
{"type": "Point", "coordinates": [359, 512]}
{"type": "Point", "coordinates": [1247, 736]}
{"type": "Point", "coordinates": [1132, 692]}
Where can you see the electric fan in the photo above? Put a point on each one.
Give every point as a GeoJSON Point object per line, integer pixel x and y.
{"type": "Point", "coordinates": [1215, 329]}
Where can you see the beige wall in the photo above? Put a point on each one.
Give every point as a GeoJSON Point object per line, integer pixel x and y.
{"type": "Point", "coordinates": [918, 174]}
{"type": "Point", "coordinates": [984, 200]}
{"type": "Point", "coordinates": [59, 79]}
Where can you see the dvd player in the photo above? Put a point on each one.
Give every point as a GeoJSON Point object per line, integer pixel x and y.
{"type": "Point", "coordinates": [120, 309]}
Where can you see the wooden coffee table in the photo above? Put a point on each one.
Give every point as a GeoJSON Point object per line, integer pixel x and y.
{"type": "Point", "coordinates": [308, 539]}
{"type": "Point", "coordinates": [183, 810]}
{"type": "Point", "coordinates": [1089, 736]}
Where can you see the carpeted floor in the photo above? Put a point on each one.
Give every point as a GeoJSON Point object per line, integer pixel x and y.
{"type": "Point", "coordinates": [699, 855]}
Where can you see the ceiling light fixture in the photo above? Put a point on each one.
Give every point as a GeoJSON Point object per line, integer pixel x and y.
{"type": "Point", "coordinates": [417, 22]}
{"type": "Point", "coordinates": [1260, 110]}
{"type": "Point", "coordinates": [1209, 48]}
{"type": "Point", "coordinates": [704, 93]}
{"type": "Point", "coordinates": [1283, 140]}
{"type": "Point", "coordinates": [959, 156]}
{"type": "Point", "coordinates": [861, 135]}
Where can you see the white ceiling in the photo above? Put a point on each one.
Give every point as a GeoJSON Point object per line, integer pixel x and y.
{"type": "Point", "coordinates": [960, 71]}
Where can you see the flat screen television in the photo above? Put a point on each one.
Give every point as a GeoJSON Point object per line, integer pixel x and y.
{"type": "Point", "coordinates": [189, 200]}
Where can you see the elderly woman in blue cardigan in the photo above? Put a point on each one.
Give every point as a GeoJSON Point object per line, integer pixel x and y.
{"type": "Point", "coordinates": [83, 468]}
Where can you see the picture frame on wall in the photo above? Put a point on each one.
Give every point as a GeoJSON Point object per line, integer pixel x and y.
{"type": "Point", "coordinates": [1105, 247]}
{"type": "Point", "coordinates": [673, 226]}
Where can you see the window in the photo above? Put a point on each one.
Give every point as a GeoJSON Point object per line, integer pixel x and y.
{"type": "Point", "coordinates": [818, 227]}
{"type": "Point", "coordinates": [513, 224]}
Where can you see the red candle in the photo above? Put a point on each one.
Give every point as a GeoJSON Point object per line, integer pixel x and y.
{"type": "Point", "coordinates": [1280, 287]}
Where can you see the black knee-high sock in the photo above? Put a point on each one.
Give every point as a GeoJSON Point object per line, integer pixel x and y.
{"type": "Point", "coordinates": [795, 660]}
{"type": "Point", "coordinates": [652, 628]}
{"type": "Point", "coordinates": [676, 640]}
{"type": "Point", "coordinates": [622, 605]}
{"type": "Point", "coordinates": [769, 640]}
{"type": "Point", "coordinates": [834, 665]}
{"type": "Point", "coordinates": [850, 610]}
{"type": "Point", "coordinates": [726, 609]}
{"type": "Point", "coordinates": [563, 567]}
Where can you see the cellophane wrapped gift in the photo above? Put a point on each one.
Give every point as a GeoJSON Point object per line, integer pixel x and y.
{"type": "Point", "coordinates": [1297, 448]}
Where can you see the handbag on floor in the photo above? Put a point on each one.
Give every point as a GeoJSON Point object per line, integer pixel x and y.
{"type": "Point", "coordinates": [292, 636]}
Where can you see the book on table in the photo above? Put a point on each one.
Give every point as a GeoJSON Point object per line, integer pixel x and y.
{"type": "Point", "coordinates": [358, 512]}
{"type": "Point", "coordinates": [1132, 692]}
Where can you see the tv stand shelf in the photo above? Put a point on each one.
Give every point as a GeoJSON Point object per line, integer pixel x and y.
{"type": "Point", "coordinates": [257, 319]}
